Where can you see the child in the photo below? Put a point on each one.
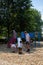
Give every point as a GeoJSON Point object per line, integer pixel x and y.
{"type": "Point", "coordinates": [11, 41]}
{"type": "Point", "coordinates": [13, 47]}
{"type": "Point", "coordinates": [19, 45]}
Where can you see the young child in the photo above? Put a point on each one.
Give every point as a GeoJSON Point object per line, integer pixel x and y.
{"type": "Point", "coordinates": [13, 47]}
{"type": "Point", "coordinates": [19, 41]}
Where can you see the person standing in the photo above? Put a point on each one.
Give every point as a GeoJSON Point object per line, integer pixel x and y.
{"type": "Point", "coordinates": [27, 41]}
{"type": "Point", "coordinates": [19, 41]}
{"type": "Point", "coordinates": [14, 39]}
{"type": "Point", "coordinates": [12, 42]}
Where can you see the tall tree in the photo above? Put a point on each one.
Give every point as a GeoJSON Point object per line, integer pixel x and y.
{"type": "Point", "coordinates": [21, 6]}
{"type": "Point", "coordinates": [34, 20]}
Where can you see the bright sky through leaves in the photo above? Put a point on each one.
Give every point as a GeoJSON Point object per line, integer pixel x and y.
{"type": "Point", "coordinates": [38, 4]}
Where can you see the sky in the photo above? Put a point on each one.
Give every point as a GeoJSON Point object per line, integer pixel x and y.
{"type": "Point", "coordinates": [38, 4]}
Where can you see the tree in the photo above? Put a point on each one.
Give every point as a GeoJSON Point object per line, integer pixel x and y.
{"type": "Point", "coordinates": [21, 7]}
{"type": "Point", "coordinates": [19, 15]}
{"type": "Point", "coordinates": [34, 20]}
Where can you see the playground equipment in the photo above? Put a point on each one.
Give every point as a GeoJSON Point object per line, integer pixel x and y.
{"type": "Point", "coordinates": [36, 36]}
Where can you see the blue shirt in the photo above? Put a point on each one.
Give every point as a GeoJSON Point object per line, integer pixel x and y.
{"type": "Point", "coordinates": [22, 35]}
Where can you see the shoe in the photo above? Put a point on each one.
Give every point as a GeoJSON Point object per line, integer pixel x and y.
{"type": "Point", "coordinates": [13, 51]}
{"type": "Point", "coordinates": [20, 53]}
{"type": "Point", "coordinates": [28, 50]}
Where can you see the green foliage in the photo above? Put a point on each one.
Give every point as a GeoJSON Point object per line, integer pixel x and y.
{"type": "Point", "coordinates": [34, 20]}
{"type": "Point", "coordinates": [20, 16]}
{"type": "Point", "coordinates": [20, 8]}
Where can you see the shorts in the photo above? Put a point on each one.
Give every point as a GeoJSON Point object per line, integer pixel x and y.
{"type": "Point", "coordinates": [27, 42]}
{"type": "Point", "coordinates": [23, 39]}
{"type": "Point", "coordinates": [20, 45]}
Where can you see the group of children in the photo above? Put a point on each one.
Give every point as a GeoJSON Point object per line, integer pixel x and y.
{"type": "Point", "coordinates": [17, 43]}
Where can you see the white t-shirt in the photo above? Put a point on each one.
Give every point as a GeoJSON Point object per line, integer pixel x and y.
{"type": "Point", "coordinates": [27, 37]}
{"type": "Point", "coordinates": [19, 44]}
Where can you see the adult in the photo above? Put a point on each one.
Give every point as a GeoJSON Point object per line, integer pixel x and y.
{"type": "Point", "coordinates": [12, 39]}
{"type": "Point", "coordinates": [27, 41]}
